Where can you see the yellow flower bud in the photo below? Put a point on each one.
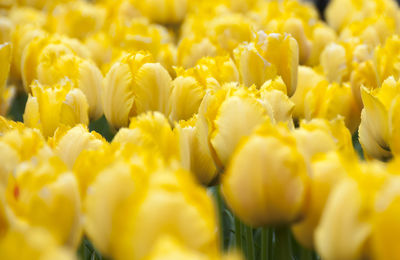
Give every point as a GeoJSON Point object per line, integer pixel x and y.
{"type": "Point", "coordinates": [132, 86]}
{"type": "Point", "coordinates": [52, 106]}
{"type": "Point", "coordinates": [387, 58]}
{"type": "Point", "coordinates": [46, 49]}
{"type": "Point", "coordinates": [308, 79]}
{"type": "Point", "coordinates": [45, 195]}
{"type": "Point", "coordinates": [282, 51]}
{"type": "Point", "coordinates": [379, 120]}
{"type": "Point", "coordinates": [164, 11]}
{"type": "Point", "coordinates": [69, 143]}
{"type": "Point", "coordinates": [186, 97]}
{"type": "Point", "coordinates": [331, 135]}
{"type": "Point", "coordinates": [229, 30]}
{"type": "Point", "coordinates": [322, 36]}
{"type": "Point", "coordinates": [195, 155]}
{"type": "Point", "coordinates": [295, 27]}
{"type": "Point", "coordinates": [56, 63]}
{"type": "Point", "coordinates": [345, 226]}
{"type": "Point", "coordinates": [24, 242]}
{"type": "Point", "coordinates": [330, 100]}
{"type": "Point", "coordinates": [76, 19]}
{"type": "Point", "coordinates": [266, 182]}
{"type": "Point", "coordinates": [384, 235]}
{"type": "Point", "coordinates": [334, 63]}
{"type": "Point", "coordinates": [151, 131]}
{"type": "Point", "coordinates": [253, 68]}
{"type": "Point", "coordinates": [327, 170]}
{"type": "Point", "coordinates": [228, 115]}
{"type": "Point", "coordinates": [190, 50]}
{"type": "Point", "coordinates": [134, 200]}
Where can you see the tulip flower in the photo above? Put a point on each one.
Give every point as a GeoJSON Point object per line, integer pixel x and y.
{"type": "Point", "coordinates": [164, 11]}
{"type": "Point", "coordinates": [195, 155]}
{"type": "Point", "coordinates": [76, 19]}
{"type": "Point", "coordinates": [52, 106]}
{"type": "Point", "coordinates": [144, 206]}
{"type": "Point", "coordinates": [263, 54]}
{"type": "Point", "coordinates": [69, 143]}
{"type": "Point", "coordinates": [266, 182]}
{"type": "Point", "coordinates": [45, 194]}
{"type": "Point", "coordinates": [151, 131]}
{"type": "Point", "coordinates": [327, 170]}
{"type": "Point", "coordinates": [379, 123]}
{"type": "Point", "coordinates": [134, 85]}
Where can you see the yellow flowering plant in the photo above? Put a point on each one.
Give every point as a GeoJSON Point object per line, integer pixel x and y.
{"type": "Point", "coordinates": [177, 129]}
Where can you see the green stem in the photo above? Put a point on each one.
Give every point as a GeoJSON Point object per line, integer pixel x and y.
{"type": "Point", "coordinates": [282, 247]}
{"type": "Point", "coordinates": [306, 254]}
{"type": "Point", "coordinates": [265, 243]}
{"type": "Point", "coordinates": [238, 234]}
{"type": "Point", "coordinates": [220, 204]}
{"type": "Point", "coordinates": [250, 243]}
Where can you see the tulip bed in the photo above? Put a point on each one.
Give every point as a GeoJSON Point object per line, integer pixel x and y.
{"type": "Point", "coordinates": [178, 129]}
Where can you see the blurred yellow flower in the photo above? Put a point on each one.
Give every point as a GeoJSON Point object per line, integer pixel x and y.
{"type": "Point", "coordinates": [326, 171]}
{"type": "Point", "coordinates": [164, 11]}
{"type": "Point", "coordinates": [52, 106]}
{"type": "Point", "coordinates": [266, 182]}
{"type": "Point", "coordinates": [144, 206]}
{"type": "Point", "coordinates": [68, 143]}
{"type": "Point", "coordinates": [45, 194]}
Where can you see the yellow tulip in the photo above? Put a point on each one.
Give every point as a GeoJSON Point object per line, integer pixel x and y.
{"type": "Point", "coordinates": [23, 242]}
{"type": "Point", "coordinates": [226, 116]}
{"type": "Point", "coordinates": [195, 155]}
{"type": "Point", "coordinates": [76, 19]}
{"type": "Point", "coordinates": [372, 31]}
{"type": "Point", "coordinates": [42, 49]}
{"type": "Point", "coordinates": [186, 96]}
{"type": "Point", "coordinates": [387, 58]}
{"type": "Point", "coordinates": [69, 143]}
{"type": "Point", "coordinates": [340, 13]}
{"type": "Point", "coordinates": [52, 106]}
{"type": "Point", "coordinates": [190, 50]}
{"type": "Point", "coordinates": [152, 132]}
{"type": "Point", "coordinates": [346, 224]}
{"type": "Point", "coordinates": [189, 88]}
{"type": "Point", "coordinates": [55, 64]}
{"type": "Point", "coordinates": [164, 11]}
{"type": "Point", "coordinates": [262, 55]}
{"type": "Point", "coordinates": [253, 68]}
{"type": "Point", "coordinates": [330, 100]}
{"type": "Point", "coordinates": [384, 235]}
{"type": "Point", "coordinates": [134, 85]}
{"type": "Point", "coordinates": [322, 35]}
{"type": "Point", "coordinates": [6, 28]}
{"type": "Point", "coordinates": [19, 145]}
{"type": "Point", "coordinates": [45, 194]}
{"type": "Point", "coordinates": [379, 120]}
{"type": "Point", "coordinates": [266, 182]}
{"type": "Point", "coordinates": [229, 30]}
{"type": "Point", "coordinates": [134, 199]}
{"type": "Point", "coordinates": [138, 34]}
{"type": "Point", "coordinates": [308, 79]}
{"type": "Point", "coordinates": [334, 63]}
{"type": "Point", "coordinates": [321, 136]}
{"type": "Point", "coordinates": [327, 170]}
